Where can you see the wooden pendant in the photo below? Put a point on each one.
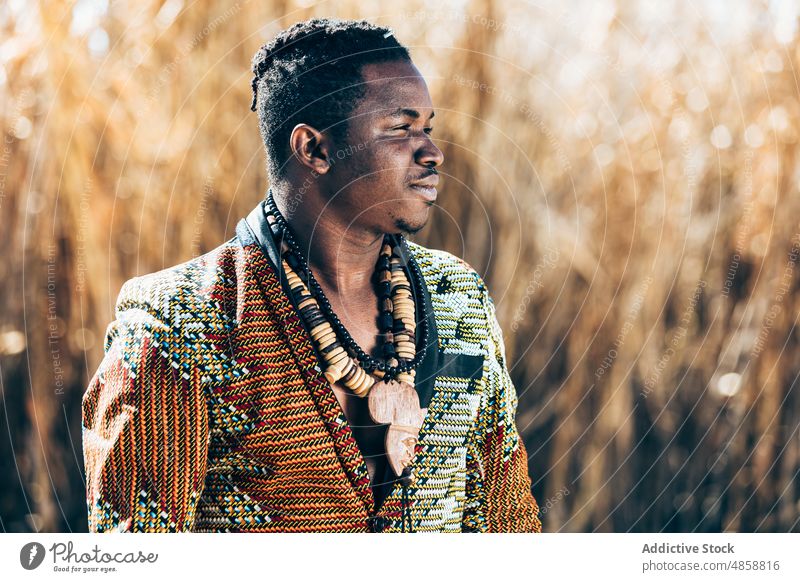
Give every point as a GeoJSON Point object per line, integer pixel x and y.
{"type": "Point", "coordinates": [397, 404]}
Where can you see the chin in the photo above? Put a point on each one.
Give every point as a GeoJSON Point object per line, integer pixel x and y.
{"type": "Point", "coordinates": [414, 217]}
{"type": "Point", "coordinates": [409, 227]}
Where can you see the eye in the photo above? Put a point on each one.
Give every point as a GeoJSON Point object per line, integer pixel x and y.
{"type": "Point", "coordinates": [407, 127]}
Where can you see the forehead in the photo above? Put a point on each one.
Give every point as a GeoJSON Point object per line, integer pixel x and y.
{"type": "Point", "coordinates": [393, 85]}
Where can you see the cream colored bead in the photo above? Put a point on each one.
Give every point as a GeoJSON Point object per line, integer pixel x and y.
{"type": "Point", "coordinates": [333, 374]}
{"type": "Point", "coordinates": [362, 388]}
{"type": "Point", "coordinates": [365, 386]}
{"type": "Point", "coordinates": [322, 330]}
{"type": "Point", "coordinates": [347, 365]}
{"type": "Point", "coordinates": [336, 356]}
{"type": "Point", "coordinates": [357, 378]}
{"type": "Point", "coordinates": [306, 302]}
{"type": "Point", "coordinates": [326, 341]}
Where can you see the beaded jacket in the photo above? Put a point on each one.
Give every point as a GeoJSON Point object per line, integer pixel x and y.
{"type": "Point", "coordinates": [209, 411]}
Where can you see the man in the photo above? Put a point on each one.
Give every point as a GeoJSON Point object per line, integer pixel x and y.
{"type": "Point", "coordinates": [280, 382]}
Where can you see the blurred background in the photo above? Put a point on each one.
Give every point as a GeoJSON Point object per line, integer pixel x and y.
{"type": "Point", "coordinates": [624, 175]}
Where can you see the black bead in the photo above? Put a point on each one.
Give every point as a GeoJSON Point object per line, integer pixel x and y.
{"type": "Point", "coordinates": [315, 320]}
{"type": "Point", "coordinates": [307, 312]}
{"type": "Point", "coordinates": [293, 262]}
{"type": "Point", "coordinates": [330, 348]}
{"type": "Point", "coordinates": [385, 322]}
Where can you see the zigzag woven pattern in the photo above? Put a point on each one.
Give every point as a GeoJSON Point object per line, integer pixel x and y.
{"type": "Point", "coordinates": [210, 413]}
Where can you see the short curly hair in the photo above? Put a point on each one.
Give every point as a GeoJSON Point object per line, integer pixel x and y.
{"type": "Point", "coordinates": [311, 73]}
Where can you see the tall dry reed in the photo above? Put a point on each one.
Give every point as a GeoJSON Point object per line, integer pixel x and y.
{"type": "Point", "coordinates": [626, 180]}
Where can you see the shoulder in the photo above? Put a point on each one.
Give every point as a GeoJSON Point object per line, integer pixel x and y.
{"type": "Point", "coordinates": [460, 301]}
{"type": "Point", "coordinates": [167, 294]}
{"type": "Point", "coordinates": [447, 273]}
{"type": "Point", "coordinates": [170, 310]}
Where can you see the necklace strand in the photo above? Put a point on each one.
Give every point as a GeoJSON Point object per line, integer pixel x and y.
{"type": "Point", "coordinates": [396, 321]}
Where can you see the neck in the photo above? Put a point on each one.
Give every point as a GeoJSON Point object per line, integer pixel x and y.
{"type": "Point", "coordinates": [341, 256]}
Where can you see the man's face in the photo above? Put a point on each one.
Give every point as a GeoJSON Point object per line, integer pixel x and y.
{"type": "Point", "coordinates": [383, 179]}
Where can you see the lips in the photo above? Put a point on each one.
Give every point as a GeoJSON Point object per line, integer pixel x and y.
{"type": "Point", "coordinates": [426, 187]}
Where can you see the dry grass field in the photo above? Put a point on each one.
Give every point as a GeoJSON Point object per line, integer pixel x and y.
{"type": "Point", "coordinates": [625, 175]}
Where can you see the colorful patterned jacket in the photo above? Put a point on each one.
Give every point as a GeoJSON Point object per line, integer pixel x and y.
{"type": "Point", "coordinates": [209, 411]}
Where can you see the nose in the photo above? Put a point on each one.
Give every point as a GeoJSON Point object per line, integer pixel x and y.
{"type": "Point", "coordinates": [429, 155]}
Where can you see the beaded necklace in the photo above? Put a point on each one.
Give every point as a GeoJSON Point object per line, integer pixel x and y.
{"type": "Point", "coordinates": [389, 384]}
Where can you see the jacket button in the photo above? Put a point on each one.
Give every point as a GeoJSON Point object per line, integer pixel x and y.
{"type": "Point", "coordinates": [377, 523]}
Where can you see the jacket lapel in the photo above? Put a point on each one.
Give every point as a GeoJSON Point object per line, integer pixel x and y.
{"type": "Point", "coordinates": [261, 272]}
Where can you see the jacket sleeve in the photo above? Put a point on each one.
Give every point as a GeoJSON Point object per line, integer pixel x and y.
{"type": "Point", "coordinates": [145, 429]}
{"type": "Point", "coordinates": [498, 488]}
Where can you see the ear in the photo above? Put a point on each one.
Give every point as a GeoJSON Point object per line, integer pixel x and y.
{"type": "Point", "coordinates": [311, 148]}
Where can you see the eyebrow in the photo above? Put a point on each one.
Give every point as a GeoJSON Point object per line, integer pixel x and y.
{"type": "Point", "coordinates": [404, 112]}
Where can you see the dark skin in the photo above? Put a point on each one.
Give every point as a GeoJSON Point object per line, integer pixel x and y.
{"type": "Point", "coordinates": [353, 194]}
